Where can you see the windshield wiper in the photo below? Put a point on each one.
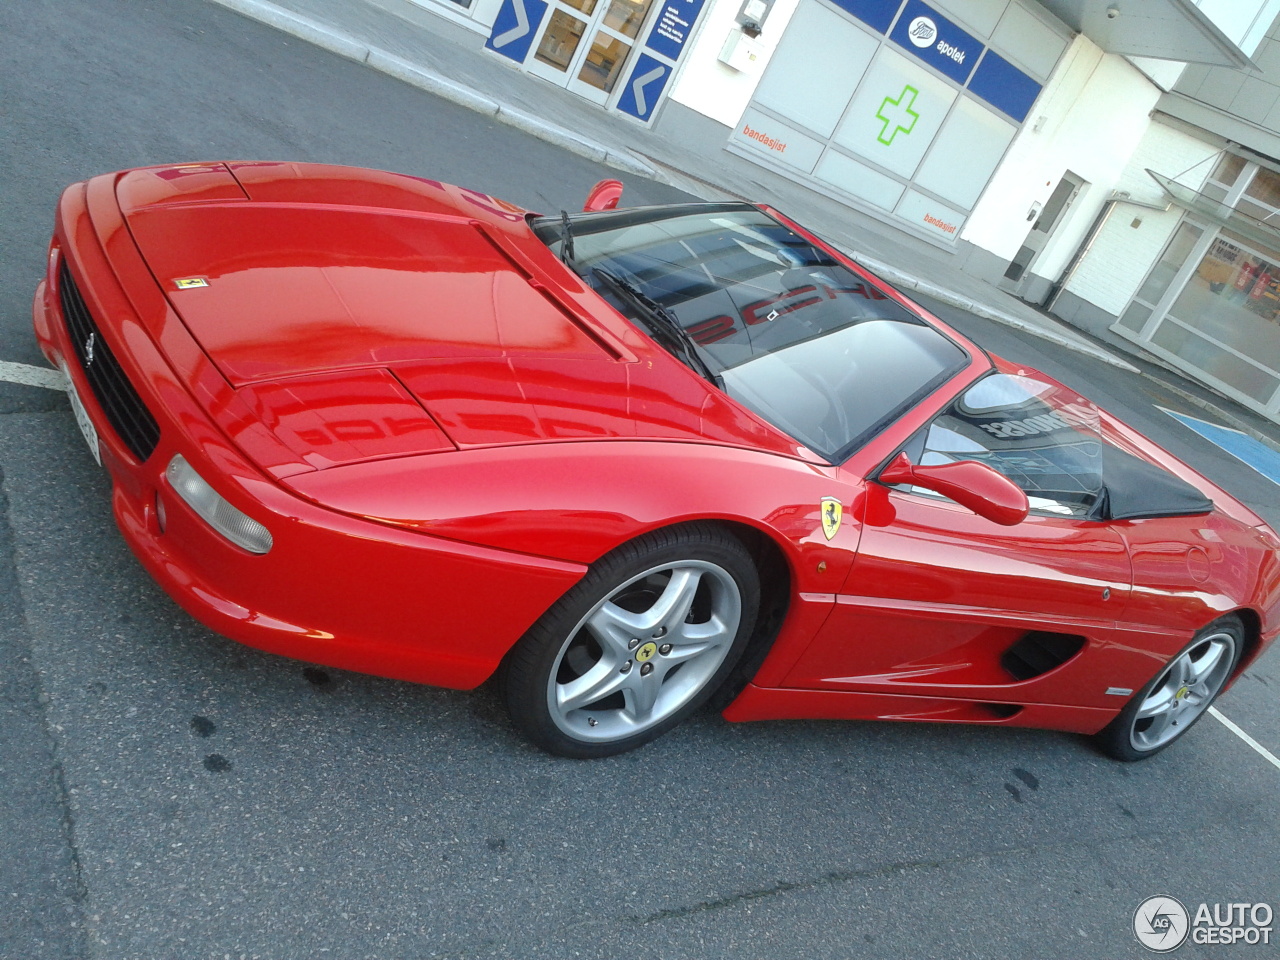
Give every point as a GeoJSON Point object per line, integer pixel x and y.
{"type": "Point", "coordinates": [661, 322]}
{"type": "Point", "coordinates": [566, 238]}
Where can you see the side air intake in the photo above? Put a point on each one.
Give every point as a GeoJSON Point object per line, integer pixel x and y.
{"type": "Point", "coordinates": [1039, 652]}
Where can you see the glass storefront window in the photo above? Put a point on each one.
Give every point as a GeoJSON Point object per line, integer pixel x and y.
{"type": "Point", "coordinates": [1222, 365]}
{"type": "Point", "coordinates": [1223, 322]}
{"type": "Point", "coordinates": [1265, 188]}
{"type": "Point", "coordinates": [561, 40]}
{"type": "Point", "coordinates": [1224, 177]}
{"type": "Point", "coordinates": [604, 61]}
{"type": "Point", "coordinates": [1231, 309]}
{"type": "Point", "coordinates": [847, 92]}
{"type": "Point", "coordinates": [1261, 198]}
{"type": "Point", "coordinates": [625, 16]}
{"type": "Point", "coordinates": [1135, 316]}
{"type": "Point", "coordinates": [1228, 170]}
{"type": "Point", "coordinates": [1174, 256]}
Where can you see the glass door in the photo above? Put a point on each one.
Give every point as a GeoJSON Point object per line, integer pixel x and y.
{"type": "Point", "coordinates": [1226, 321]}
{"type": "Point", "coordinates": [1211, 303]}
{"type": "Point", "coordinates": [584, 44]}
{"type": "Point", "coordinates": [1174, 264]}
{"type": "Point", "coordinates": [1016, 277]}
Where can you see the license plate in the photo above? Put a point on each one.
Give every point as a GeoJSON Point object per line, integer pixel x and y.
{"type": "Point", "coordinates": [82, 418]}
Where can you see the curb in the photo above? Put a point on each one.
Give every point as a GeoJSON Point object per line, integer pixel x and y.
{"type": "Point", "coordinates": [432, 83]}
{"type": "Point", "coordinates": [345, 45]}
{"type": "Point", "coordinates": [314, 33]}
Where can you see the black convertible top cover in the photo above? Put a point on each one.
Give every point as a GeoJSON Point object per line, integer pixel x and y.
{"type": "Point", "coordinates": [1136, 488]}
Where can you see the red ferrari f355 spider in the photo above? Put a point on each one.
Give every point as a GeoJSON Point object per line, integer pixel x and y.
{"type": "Point", "coordinates": [629, 459]}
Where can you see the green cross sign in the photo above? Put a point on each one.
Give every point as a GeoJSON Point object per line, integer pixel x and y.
{"type": "Point", "coordinates": [898, 113]}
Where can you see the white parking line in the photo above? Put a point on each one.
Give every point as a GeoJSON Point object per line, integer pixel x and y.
{"type": "Point", "coordinates": [31, 376]}
{"type": "Point", "coordinates": [1267, 754]}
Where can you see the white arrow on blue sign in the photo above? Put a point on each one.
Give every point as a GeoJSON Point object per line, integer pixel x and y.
{"type": "Point", "coordinates": [644, 87]}
{"type": "Point", "coordinates": [515, 26]}
{"type": "Point", "coordinates": [638, 85]}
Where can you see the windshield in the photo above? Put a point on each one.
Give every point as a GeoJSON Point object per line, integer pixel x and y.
{"type": "Point", "coordinates": [789, 332]}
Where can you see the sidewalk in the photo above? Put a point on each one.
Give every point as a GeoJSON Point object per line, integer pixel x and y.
{"type": "Point", "coordinates": [447, 59]}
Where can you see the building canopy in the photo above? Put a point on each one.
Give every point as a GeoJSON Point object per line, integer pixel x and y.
{"type": "Point", "coordinates": [1161, 29]}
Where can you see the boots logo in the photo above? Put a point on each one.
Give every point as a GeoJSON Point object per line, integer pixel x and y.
{"type": "Point", "coordinates": [922, 32]}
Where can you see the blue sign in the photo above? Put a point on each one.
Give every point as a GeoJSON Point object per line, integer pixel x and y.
{"type": "Point", "coordinates": [644, 87]}
{"type": "Point", "coordinates": [514, 30]}
{"type": "Point", "coordinates": [936, 40]}
{"type": "Point", "coordinates": [877, 14]}
{"type": "Point", "coordinates": [669, 32]}
{"type": "Point", "coordinates": [1004, 86]}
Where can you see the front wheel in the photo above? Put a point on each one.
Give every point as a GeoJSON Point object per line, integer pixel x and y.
{"type": "Point", "coordinates": [640, 643]}
{"type": "Point", "coordinates": [1177, 696]}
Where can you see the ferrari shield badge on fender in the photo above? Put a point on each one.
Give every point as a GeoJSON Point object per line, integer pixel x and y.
{"type": "Point", "coordinates": [186, 283]}
{"type": "Point", "coordinates": [832, 511]}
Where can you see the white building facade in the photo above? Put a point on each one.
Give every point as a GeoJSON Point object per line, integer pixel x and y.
{"type": "Point", "coordinates": [1183, 258]}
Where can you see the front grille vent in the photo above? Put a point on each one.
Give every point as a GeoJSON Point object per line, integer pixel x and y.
{"type": "Point", "coordinates": [128, 416]}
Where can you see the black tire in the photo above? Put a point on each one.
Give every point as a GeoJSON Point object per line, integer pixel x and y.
{"type": "Point", "coordinates": [1170, 704]}
{"type": "Point", "coordinates": [578, 684]}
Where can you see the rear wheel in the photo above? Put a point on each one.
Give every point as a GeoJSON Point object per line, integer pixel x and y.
{"type": "Point", "coordinates": [640, 643]}
{"type": "Point", "coordinates": [1177, 696]}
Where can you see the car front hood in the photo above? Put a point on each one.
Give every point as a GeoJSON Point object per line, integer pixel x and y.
{"type": "Point", "coordinates": [274, 290]}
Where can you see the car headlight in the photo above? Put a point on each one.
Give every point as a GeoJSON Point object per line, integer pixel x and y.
{"type": "Point", "coordinates": [241, 530]}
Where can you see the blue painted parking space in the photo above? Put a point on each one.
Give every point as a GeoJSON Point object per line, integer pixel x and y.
{"type": "Point", "coordinates": [1241, 446]}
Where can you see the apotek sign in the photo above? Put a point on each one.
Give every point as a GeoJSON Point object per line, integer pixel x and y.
{"type": "Point", "coordinates": [937, 41]}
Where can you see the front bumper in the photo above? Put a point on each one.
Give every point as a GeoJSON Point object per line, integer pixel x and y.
{"type": "Point", "coordinates": [334, 589]}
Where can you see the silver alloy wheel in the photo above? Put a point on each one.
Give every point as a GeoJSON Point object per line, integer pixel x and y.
{"type": "Point", "coordinates": [1183, 692]}
{"type": "Point", "coordinates": [644, 651]}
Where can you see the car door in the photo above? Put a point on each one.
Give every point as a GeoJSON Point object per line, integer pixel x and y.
{"type": "Point", "coordinates": [943, 602]}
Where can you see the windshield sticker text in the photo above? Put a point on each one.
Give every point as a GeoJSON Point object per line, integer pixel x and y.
{"type": "Point", "coordinates": [1067, 417]}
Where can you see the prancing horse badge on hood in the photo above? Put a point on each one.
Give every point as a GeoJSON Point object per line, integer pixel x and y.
{"type": "Point", "coordinates": [831, 513]}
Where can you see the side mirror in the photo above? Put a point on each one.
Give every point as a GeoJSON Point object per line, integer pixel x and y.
{"type": "Point", "coordinates": [986, 492]}
{"type": "Point", "coordinates": [603, 196]}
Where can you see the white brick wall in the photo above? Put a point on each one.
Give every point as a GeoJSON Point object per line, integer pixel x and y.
{"type": "Point", "coordinates": [1122, 254]}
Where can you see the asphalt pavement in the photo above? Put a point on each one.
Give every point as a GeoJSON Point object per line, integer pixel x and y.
{"type": "Point", "coordinates": [169, 793]}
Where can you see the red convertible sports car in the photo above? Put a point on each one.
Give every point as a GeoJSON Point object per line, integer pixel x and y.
{"type": "Point", "coordinates": [628, 460]}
